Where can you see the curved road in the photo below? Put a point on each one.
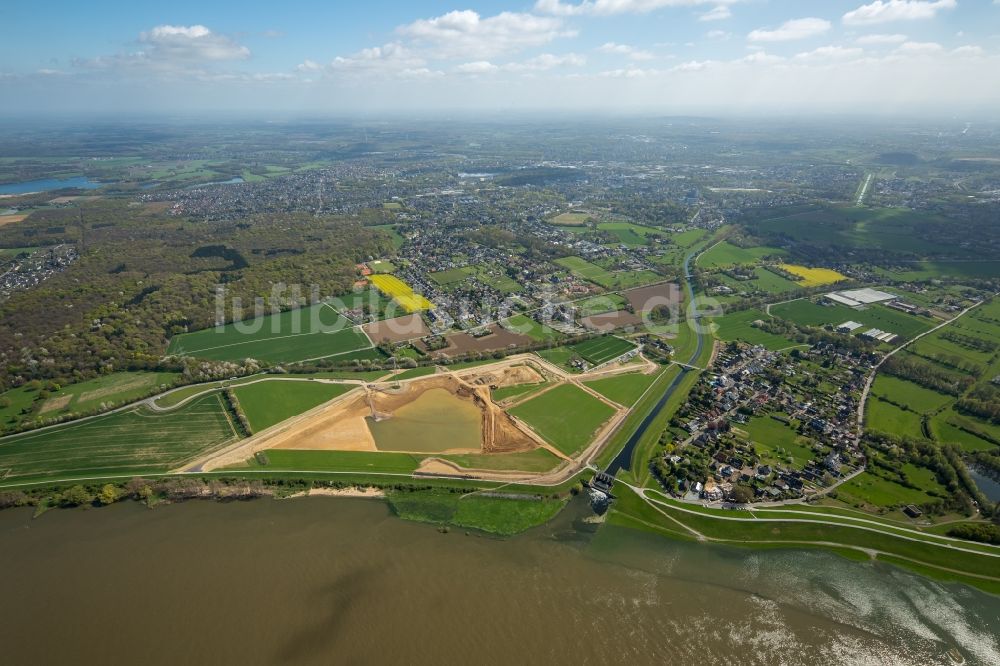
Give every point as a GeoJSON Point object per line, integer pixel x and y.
{"type": "Point", "coordinates": [624, 458]}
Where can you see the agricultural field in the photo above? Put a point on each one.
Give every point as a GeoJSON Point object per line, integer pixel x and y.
{"type": "Point", "coordinates": [400, 292]}
{"type": "Point", "coordinates": [605, 278]}
{"type": "Point", "coordinates": [727, 254]}
{"type": "Point", "coordinates": [127, 442]}
{"type": "Point", "coordinates": [808, 313]}
{"type": "Point", "coordinates": [272, 401]}
{"type": "Point", "coordinates": [546, 415]}
{"type": "Point", "coordinates": [596, 305]}
{"type": "Point", "coordinates": [739, 326]}
{"type": "Point", "coordinates": [633, 235]}
{"type": "Point", "coordinates": [338, 461]}
{"type": "Point", "coordinates": [603, 349]}
{"type": "Point", "coordinates": [533, 329]}
{"type": "Point", "coordinates": [625, 389]}
{"type": "Point", "coordinates": [317, 331]}
{"type": "Point", "coordinates": [538, 460]}
{"type": "Point", "coordinates": [43, 402]}
{"type": "Point", "coordinates": [764, 280]}
{"type": "Point", "coordinates": [882, 416]}
{"type": "Point", "coordinates": [871, 490]}
{"type": "Point", "coordinates": [911, 395]}
{"type": "Point", "coordinates": [813, 277]}
{"type": "Point", "coordinates": [571, 219]}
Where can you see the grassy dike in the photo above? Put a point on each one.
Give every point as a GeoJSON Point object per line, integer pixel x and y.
{"type": "Point", "coordinates": [923, 554]}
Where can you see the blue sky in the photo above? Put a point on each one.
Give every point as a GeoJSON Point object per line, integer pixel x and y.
{"type": "Point", "coordinates": [662, 56]}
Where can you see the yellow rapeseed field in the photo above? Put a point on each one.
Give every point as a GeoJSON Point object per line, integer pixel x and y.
{"type": "Point", "coordinates": [812, 277]}
{"type": "Point", "coordinates": [400, 292]}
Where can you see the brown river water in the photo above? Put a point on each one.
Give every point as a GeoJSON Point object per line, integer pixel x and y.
{"type": "Point", "coordinates": [341, 581]}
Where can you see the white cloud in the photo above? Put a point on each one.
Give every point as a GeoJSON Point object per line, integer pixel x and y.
{"type": "Point", "coordinates": [881, 39]}
{"type": "Point", "coordinates": [718, 34]}
{"type": "Point", "coordinates": [791, 30]}
{"type": "Point", "coordinates": [477, 67]}
{"type": "Point", "coordinates": [884, 11]}
{"type": "Point", "coordinates": [761, 58]}
{"type": "Point", "coordinates": [625, 50]}
{"type": "Point", "coordinates": [693, 66]}
{"type": "Point", "coordinates": [539, 63]}
{"type": "Point", "coordinates": [831, 53]}
{"type": "Point", "coordinates": [630, 73]}
{"type": "Point", "coordinates": [466, 33]}
{"type": "Point", "coordinates": [919, 48]}
{"type": "Point", "coordinates": [717, 13]}
{"type": "Point", "coordinates": [610, 7]}
{"type": "Point", "coordinates": [971, 50]}
{"type": "Point", "coordinates": [547, 61]}
{"type": "Point", "coordinates": [392, 60]}
{"type": "Point", "coordinates": [195, 42]}
{"type": "Point", "coordinates": [309, 66]}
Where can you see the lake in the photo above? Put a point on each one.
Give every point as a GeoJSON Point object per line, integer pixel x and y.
{"type": "Point", "coordinates": [342, 581]}
{"type": "Point", "coordinates": [46, 184]}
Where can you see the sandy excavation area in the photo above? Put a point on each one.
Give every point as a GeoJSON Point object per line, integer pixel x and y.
{"type": "Point", "coordinates": [344, 424]}
{"type": "Point", "coordinates": [511, 375]}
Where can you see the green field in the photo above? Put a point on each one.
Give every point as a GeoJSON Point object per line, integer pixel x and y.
{"type": "Point", "coordinates": [601, 350]}
{"type": "Point", "coordinates": [596, 305]}
{"type": "Point", "coordinates": [339, 461]}
{"type": "Point", "coordinates": [604, 278]}
{"type": "Point", "coordinates": [488, 514]}
{"type": "Point", "coordinates": [884, 417]}
{"type": "Point", "coordinates": [382, 266]}
{"type": "Point", "coordinates": [126, 442]}
{"type": "Point", "coordinates": [109, 390]}
{"type": "Point", "coordinates": [738, 326]}
{"type": "Point", "coordinates": [452, 275]}
{"type": "Point", "coordinates": [537, 460]}
{"type": "Point", "coordinates": [808, 313]}
{"type": "Point", "coordinates": [727, 254]}
{"type": "Point", "coordinates": [764, 280]}
{"type": "Point", "coordinates": [536, 331]}
{"type": "Point", "coordinates": [317, 331]}
{"type": "Point", "coordinates": [547, 415]}
{"type": "Point", "coordinates": [876, 491]}
{"type": "Point", "coordinates": [624, 389]}
{"type": "Point", "coordinates": [271, 401]}
{"type": "Point", "coordinates": [909, 394]}
{"type": "Point", "coordinates": [560, 356]}
{"type": "Point", "coordinates": [633, 235]}
{"type": "Point", "coordinates": [778, 443]}
{"type": "Point", "coordinates": [505, 392]}
{"type": "Point", "coordinates": [571, 219]}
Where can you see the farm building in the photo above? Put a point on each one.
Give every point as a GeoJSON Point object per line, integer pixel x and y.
{"type": "Point", "coordinates": [858, 297]}
{"type": "Point", "coordinates": [848, 327]}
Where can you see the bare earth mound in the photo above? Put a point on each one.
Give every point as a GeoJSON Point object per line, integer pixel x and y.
{"type": "Point", "coordinates": [509, 376]}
